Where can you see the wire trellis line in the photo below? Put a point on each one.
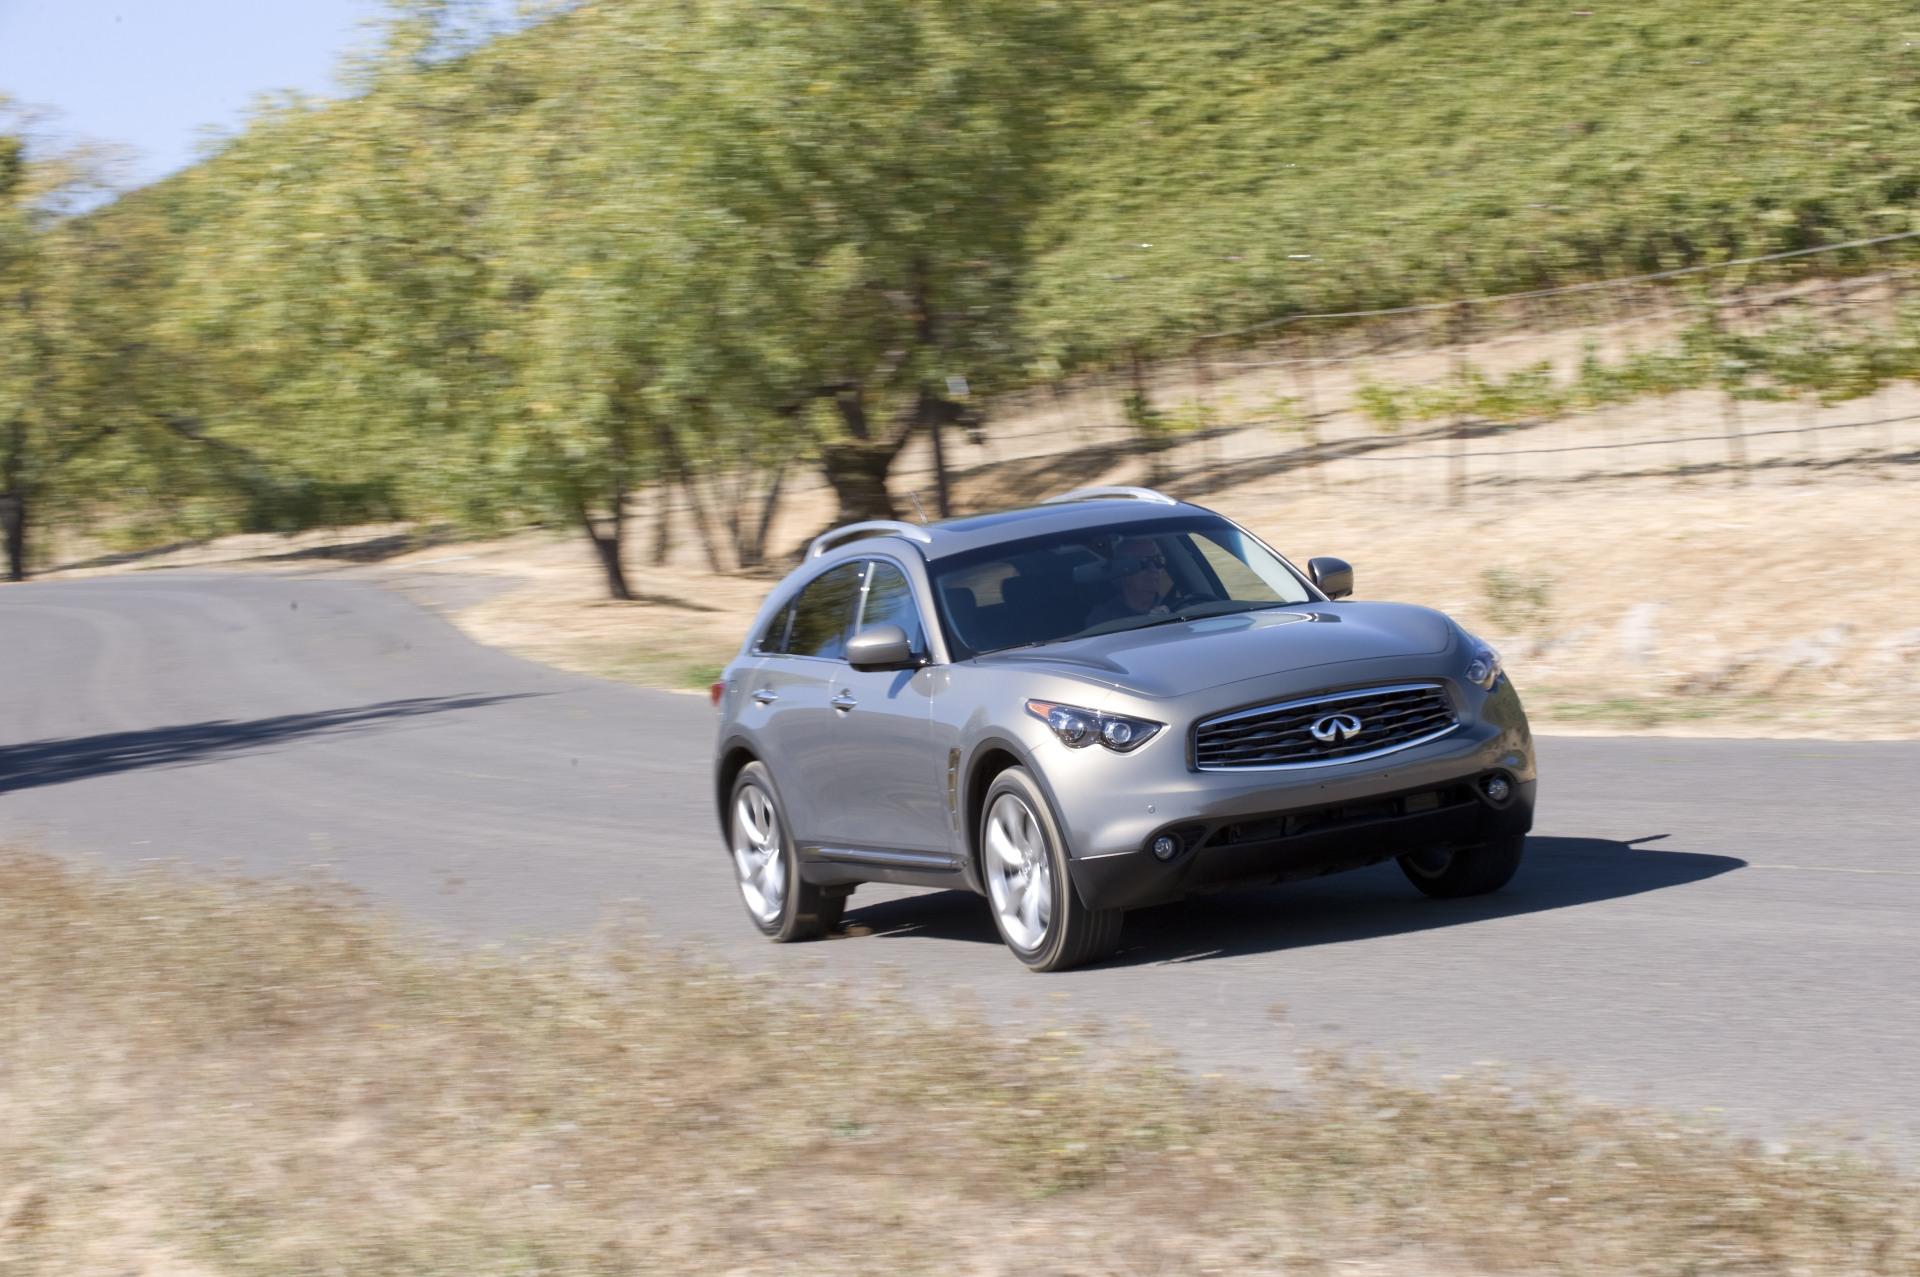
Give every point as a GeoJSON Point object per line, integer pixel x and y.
{"type": "Point", "coordinates": [1669, 441]}
{"type": "Point", "coordinates": [1562, 290]}
{"type": "Point", "coordinates": [1334, 454]}
{"type": "Point", "coordinates": [1794, 295]}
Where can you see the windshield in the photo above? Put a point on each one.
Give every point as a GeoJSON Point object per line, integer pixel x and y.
{"type": "Point", "coordinates": [1101, 580]}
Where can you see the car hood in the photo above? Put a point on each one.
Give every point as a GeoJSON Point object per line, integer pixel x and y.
{"type": "Point", "coordinates": [1188, 656]}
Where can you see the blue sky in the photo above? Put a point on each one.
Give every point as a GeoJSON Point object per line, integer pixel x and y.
{"type": "Point", "coordinates": [151, 74]}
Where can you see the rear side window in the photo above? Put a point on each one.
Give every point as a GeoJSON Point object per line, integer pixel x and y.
{"type": "Point", "coordinates": [890, 602]}
{"type": "Point", "coordinates": [773, 639]}
{"type": "Point", "coordinates": [822, 612]}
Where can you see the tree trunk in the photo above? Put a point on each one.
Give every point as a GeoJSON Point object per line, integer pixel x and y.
{"type": "Point", "coordinates": [663, 524]}
{"type": "Point", "coordinates": [607, 534]}
{"type": "Point", "coordinates": [697, 506]}
{"type": "Point", "coordinates": [732, 496]}
{"type": "Point", "coordinates": [942, 491]}
{"type": "Point", "coordinates": [607, 546]}
{"type": "Point", "coordinates": [13, 523]}
{"type": "Point", "coordinates": [933, 411]}
{"type": "Point", "coordinates": [13, 499]}
{"type": "Point", "coordinates": [857, 471]}
{"type": "Point", "coordinates": [754, 552]}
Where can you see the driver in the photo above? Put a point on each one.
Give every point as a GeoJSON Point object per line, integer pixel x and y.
{"type": "Point", "coordinates": [1141, 592]}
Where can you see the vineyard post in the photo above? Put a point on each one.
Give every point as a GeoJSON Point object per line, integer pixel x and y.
{"type": "Point", "coordinates": [1064, 409]}
{"type": "Point", "coordinates": [1457, 320]}
{"type": "Point", "coordinates": [1309, 401]}
{"type": "Point", "coordinates": [1620, 305]}
{"type": "Point", "coordinates": [1200, 398]}
{"type": "Point", "coordinates": [1808, 400]}
{"type": "Point", "coordinates": [1889, 255]}
{"type": "Point", "coordinates": [1731, 379]}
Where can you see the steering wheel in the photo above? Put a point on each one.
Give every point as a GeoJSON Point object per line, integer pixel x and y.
{"type": "Point", "coordinates": [1175, 601]}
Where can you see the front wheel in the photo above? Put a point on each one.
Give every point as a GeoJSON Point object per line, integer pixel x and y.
{"type": "Point", "coordinates": [782, 904]}
{"type": "Point", "coordinates": [1024, 862]}
{"type": "Point", "coordinates": [1447, 874]}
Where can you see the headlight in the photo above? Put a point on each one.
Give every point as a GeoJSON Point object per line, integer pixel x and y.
{"type": "Point", "coordinates": [1077, 728]}
{"type": "Point", "coordinates": [1484, 667]}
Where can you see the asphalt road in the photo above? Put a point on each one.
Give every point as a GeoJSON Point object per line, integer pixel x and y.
{"type": "Point", "coordinates": [1720, 924]}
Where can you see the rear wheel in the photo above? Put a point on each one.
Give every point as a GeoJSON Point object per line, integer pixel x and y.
{"type": "Point", "coordinates": [782, 904]}
{"type": "Point", "coordinates": [1448, 873]}
{"type": "Point", "coordinates": [1024, 862]}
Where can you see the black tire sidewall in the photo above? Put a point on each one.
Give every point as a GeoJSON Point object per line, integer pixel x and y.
{"type": "Point", "coordinates": [1471, 871]}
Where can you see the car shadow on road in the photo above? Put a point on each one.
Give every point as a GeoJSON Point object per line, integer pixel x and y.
{"type": "Point", "coordinates": [1363, 905]}
{"type": "Point", "coordinates": [53, 762]}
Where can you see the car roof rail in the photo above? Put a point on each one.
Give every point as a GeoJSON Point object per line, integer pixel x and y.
{"type": "Point", "coordinates": [1092, 494]}
{"type": "Point", "coordinates": [871, 528]}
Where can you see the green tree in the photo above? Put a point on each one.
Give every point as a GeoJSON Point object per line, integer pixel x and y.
{"type": "Point", "coordinates": [879, 163]}
{"type": "Point", "coordinates": [19, 344]}
{"type": "Point", "coordinates": [62, 323]}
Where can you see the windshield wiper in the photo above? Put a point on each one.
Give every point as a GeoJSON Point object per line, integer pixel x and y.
{"type": "Point", "coordinates": [1197, 612]}
{"type": "Point", "coordinates": [1015, 647]}
{"type": "Point", "coordinates": [1202, 611]}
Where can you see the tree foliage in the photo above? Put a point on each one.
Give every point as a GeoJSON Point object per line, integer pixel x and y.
{"type": "Point", "coordinates": [634, 245]}
{"type": "Point", "coordinates": [83, 391]}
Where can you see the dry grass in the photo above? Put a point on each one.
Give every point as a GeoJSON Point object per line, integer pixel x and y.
{"type": "Point", "coordinates": [1631, 589]}
{"type": "Point", "coordinates": [201, 1076]}
{"type": "Point", "coordinates": [1786, 607]}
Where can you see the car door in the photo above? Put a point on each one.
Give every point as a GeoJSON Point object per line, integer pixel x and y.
{"type": "Point", "coordinates": [788, 691]}
{"type": "Point", "coordinates": [882, 786]}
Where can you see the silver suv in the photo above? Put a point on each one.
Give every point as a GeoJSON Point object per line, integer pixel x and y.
{"type": "Point", "coordinates": [1104, 701]}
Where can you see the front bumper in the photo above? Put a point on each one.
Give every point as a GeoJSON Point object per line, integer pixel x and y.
{"type": "Point", "coordinates": [1305, 842]}
{"type": "Point", "coordinates": [1254, 826]}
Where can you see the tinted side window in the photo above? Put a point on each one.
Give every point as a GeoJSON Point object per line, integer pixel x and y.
{"type": "Point", "coordinates": [773, 639]}
{"type": "Point", "coordinates": [890, 602]}
{"type": "Point", "coordinates": [821, 613]}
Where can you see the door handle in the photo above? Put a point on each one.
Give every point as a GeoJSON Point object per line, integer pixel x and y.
{"type": "Point", "coordinates": [843, 701]}
{"type": "Point", "coordinates": [762, 696]}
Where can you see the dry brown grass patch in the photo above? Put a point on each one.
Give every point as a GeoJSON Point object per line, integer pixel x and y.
{"type": "Point", "coordinates": [217, 1076]}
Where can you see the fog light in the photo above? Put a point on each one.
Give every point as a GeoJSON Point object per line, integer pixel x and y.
{"type": "Point", "coordinates": [1496, 788]}
{"type": "Point", "coordinates": [1165, 847]}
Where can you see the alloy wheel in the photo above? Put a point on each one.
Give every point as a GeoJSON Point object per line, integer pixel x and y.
{"type": "Point", "coordinates": [757, 855]}
{"type": "Point", "coordinates": [1019, 872]}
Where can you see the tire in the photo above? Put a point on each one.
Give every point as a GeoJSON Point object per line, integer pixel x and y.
{"type": "Point", "coordinates": [779, 902]}
{"type": "Point", "coordinates": [1466, 871]}
{"type": "Point", "coordinates": [1023, 862]}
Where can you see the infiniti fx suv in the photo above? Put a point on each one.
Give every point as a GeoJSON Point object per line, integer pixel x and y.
{"type": "Point", "coordinates": [1108, 700]}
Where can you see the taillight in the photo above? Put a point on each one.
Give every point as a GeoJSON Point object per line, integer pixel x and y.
{"type": "Point", "coordinates": [716, 691]}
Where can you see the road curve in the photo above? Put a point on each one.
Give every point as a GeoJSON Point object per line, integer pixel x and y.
{"type": "Point", "coordinates": [1729, 924]}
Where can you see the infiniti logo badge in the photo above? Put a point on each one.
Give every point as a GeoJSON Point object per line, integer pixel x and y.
{"type": "Point", "coordinates": [1335, 729]}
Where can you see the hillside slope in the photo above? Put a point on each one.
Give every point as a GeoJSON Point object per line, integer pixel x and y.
{"type": "Point", "coordinates": [1234, 160]}
{"type": "Point", "coordinates": [639, 243]}
{"type": "Point", "coordinates": [1261, 158]}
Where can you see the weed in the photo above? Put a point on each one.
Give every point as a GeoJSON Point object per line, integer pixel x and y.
{"type": "Point", "coordinates": [258, 1078]}
{"type": "Point", "coordinates": [1793, 359]}
{"type": "Point", "coordinates": [1519, 603]}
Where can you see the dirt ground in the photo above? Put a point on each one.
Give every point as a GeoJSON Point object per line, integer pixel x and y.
{"type": "Point", "coordinates": [1635, 576]}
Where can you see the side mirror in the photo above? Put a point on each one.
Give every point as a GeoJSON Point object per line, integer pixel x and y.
{"type": "Point", "coordinates": [881, 647]}
{"type": "Point", "coordinates": [1333, 576]}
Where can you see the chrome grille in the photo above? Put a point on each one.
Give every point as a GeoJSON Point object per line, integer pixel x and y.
{"type": "Point", "coordinates": [1282, 735]}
